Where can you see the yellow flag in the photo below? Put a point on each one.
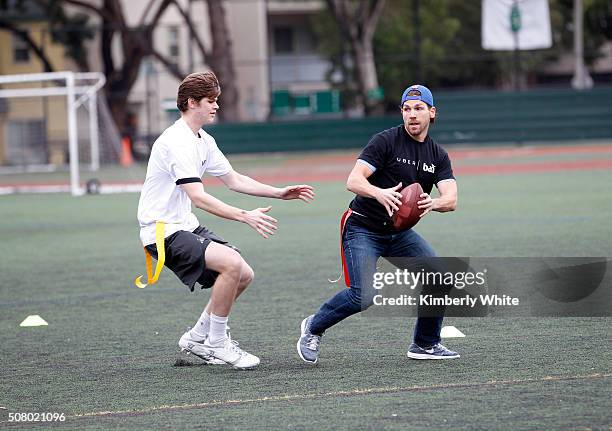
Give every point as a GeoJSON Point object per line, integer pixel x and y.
{"type": "Point", "coordinates": [161, 258]}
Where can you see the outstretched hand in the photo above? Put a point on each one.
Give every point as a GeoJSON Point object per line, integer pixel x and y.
{"type": "Point", "coordinates": [303, 192]}
{"type": "Point", "coordinates": [390, 198]}
{"type": "Point", "coordinates": [264, 224]}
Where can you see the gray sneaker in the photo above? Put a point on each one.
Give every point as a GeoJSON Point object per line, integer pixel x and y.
{"type": "Point", "coordinates": [437, 351]}
{"type": "Point", "coordinates": [308, 345]}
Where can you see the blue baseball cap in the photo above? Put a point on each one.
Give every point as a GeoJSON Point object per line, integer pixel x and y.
{"type": "Point", "coordinates": [417, 92]}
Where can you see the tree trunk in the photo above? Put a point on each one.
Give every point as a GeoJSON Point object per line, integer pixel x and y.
{"type": "Point", "coordinates": [136, 44]}
{"type": "Point", "coordinates": [222, 61]}
{"type": "Point", "coordinates": [367, 77]}
{"type": "Point", "coordinates": [357, 22]}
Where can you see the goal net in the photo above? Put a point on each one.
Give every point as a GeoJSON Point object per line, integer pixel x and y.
{"type": "Point", "coordinates": [54, 127]}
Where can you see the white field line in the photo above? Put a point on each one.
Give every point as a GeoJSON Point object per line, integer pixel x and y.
{"type": "Point", "coordinates": [65, 188]}
{"type": "Point", "coordinates": [349, 393]}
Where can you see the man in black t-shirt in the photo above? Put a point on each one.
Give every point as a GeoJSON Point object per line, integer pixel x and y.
{"type": "Point", "coordinates": [393, 159]}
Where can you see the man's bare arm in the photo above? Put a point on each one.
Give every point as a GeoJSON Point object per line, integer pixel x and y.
{"type": "Point", "coordinates": [358, 183]}
{"type": "Point", "coordinates": [257, 219]}
{"type": "Point", "coordinates": [243, 184]}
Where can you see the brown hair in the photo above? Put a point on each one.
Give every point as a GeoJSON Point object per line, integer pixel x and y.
{"type": "Point", "coordinates": [197, 86]}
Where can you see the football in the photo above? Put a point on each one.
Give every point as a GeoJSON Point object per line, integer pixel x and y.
{"type": "Point", "coordinates": [408, 214]}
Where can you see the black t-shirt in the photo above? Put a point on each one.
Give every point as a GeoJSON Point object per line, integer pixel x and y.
{"type": "Point", "coordinates": [396, 157]}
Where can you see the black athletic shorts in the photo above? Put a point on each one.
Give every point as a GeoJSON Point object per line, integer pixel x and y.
{"type": "Point", "coordinates": [185, 256]}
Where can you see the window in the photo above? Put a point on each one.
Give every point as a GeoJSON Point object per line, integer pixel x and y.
{"type": "Point", "coordinates": [173, 45]}
{"type": "Point", "coordinates": [307, 41]}
{"type": "Point", "coordinates": [21, 51]}
{"type": "Point", "coordinates": [146, 66]}
{"type": "Point", "coordinates": [283, 40]}
{"type": "Point", "coordinates": [26, 142]}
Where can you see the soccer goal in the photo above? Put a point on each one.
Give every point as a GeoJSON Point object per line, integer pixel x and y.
{"type": "Point", "coordinates": [54, 123]}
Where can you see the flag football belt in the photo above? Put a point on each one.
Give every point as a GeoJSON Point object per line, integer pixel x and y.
{"type": "Point", "coordinates": [161, 258]}
{"type": "Point", "coordinates": [343, 221]}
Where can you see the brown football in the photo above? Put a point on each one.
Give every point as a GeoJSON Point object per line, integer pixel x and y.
{"type": "Point", "coordinates": [408, 214]}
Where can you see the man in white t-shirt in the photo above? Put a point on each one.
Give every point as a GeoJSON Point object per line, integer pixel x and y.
{"type": "Point", "coordinates": [179, 159]}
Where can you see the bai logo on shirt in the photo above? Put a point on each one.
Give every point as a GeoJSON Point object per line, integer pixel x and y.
{"type": "Point", "coordinates": [429, 168]}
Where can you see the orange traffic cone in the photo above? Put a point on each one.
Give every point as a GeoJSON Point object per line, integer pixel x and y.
{"type": "Point", "coordinates": [126, 159]}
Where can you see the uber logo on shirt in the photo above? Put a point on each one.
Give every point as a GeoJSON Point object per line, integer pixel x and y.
{"type": "Point", "coordinates": [429, 168]}
{"type": "Point", "coordinates": [407, 161]}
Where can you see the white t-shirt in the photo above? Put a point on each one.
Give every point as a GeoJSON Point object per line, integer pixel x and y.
{"type": "Point", "coordinates": [177, 157]}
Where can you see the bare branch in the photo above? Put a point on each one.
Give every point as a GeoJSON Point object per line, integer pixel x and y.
{"type": "Point", "coordinates": [106, 41]}
{"type": "Point", "coordinates": [171, 67]}
{"type": "Point", "coordinates": [193, 31]}
{"type": "Point", "coordinates": [117, 14]}
{"type": "Point", "coordinates": [374, 15]}
{"type": "Point", "coordinates": [158, 14]}
{"type": "Point", "coordinates": [23, 35]}
{"type": "Point", "coordinates": [343, 18]}
{"type": "Point", "coordinates": [145, 14]}
{"type": "Point", "coordinates": [102, 12]}
{"type": "Point", "coordinates": [363, 11]}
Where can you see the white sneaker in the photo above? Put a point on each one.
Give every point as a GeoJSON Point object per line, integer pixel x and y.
{"type": "Point", "coordinates": [189, 345]}
{"type": "Point", "coordinates": [231, 354]}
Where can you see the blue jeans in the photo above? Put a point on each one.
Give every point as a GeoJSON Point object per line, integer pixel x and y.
{"type": "Point", "coordinates": [362, 248]}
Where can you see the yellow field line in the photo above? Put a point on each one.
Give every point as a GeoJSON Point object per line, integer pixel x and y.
{"type": "Point", "coordinates": [352, 392]}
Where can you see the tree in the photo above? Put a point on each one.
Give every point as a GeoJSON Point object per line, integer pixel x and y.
{"type": "Point", "coordinates": [222, 60]}
{"type": "Point", "coordinates": [393, 47]}
{"type": "Point", "coordinates": [357, 22]}
{"type": "Point", "coordinates": [597, 26]}
{"type": "Point", "coordinates": [397, 63]}
{"type": "Point", "coordinates": [451, 54]}
{"type": "Point", "coordinates": [24, 36]}
{"type": "Point", "coordinates": [220, 57]}
{"type": "Point", "coordinates": [136, 44]}
{"type": "Point", "coordinates": [69, 31]}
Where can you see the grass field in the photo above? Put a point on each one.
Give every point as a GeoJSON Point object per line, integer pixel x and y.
{"type": "Point", "coordinates": [108, 357]}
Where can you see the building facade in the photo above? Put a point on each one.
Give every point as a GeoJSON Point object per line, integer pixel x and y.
{"type": "Point", "coordinates": [278, 72]}
{"type": "Point", "coordinates": [33, 129]}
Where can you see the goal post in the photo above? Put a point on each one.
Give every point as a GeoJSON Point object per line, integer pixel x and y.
{"type": "Point", "coordinates": [78, 89]}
